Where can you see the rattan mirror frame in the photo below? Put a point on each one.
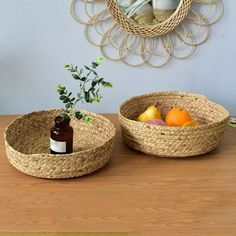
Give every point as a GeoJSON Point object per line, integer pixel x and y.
{"type": "Point", "coordinates": [127, 40]}
{"type": "Point", "coordinates": [149, 30]}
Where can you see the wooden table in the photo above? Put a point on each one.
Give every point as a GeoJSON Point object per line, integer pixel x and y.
{"type": "Point", "coordinates": [134, 192]}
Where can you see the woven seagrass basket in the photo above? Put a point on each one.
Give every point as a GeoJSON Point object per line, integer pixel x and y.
{"type": "Point", "coordinates": [27, 146]}
{"type": "Point", "coordinates": [149, 30]}
{"type": "Point", "coordinates": [169, 141]}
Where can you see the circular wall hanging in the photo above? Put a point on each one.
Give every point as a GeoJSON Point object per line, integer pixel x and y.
{"type": "Point", "coordinates": [146, 31]}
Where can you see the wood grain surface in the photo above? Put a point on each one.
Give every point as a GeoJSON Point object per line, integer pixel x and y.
{"type": "Point", "coordinates": [133, 193]}
{"type": "Point", "coordinates": [68, 234]}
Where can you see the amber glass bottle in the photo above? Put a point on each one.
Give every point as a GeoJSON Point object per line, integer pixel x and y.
{"type": "Point", "coordinates": [61, 141]}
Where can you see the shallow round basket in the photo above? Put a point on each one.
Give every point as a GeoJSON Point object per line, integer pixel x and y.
{"type": "Point", "coordinates": [27, 146]}
{"type": "Point", "coordinates": [173, 142]}
{"type": "Point", "coordinates": [149, 30]}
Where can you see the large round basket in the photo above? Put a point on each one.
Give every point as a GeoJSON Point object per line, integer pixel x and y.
{"type": "Point", "coordinates": [149, 30]}
{"type": "Point", "coordinates": [173, 142]}
{"type": "Point", "coordinates": [27, 146]}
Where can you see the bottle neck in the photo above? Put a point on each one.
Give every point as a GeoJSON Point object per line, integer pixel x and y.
{"type": "Point", "coordinates": [61, 123]}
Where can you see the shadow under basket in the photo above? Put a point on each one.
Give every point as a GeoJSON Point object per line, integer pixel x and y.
{"type": "Point", "coordinates": [27, 146]}
{"type": "Point", "coordinates": [173, 142]}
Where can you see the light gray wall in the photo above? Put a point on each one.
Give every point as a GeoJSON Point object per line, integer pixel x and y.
{"type": "Point", "coordinates": [37, 37]}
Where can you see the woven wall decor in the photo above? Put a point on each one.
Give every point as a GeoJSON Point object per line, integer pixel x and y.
{"type": "Point", "coordinates": [120, 38]}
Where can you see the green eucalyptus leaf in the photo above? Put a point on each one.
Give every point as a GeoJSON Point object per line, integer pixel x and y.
{"type": "Point", "coordinates": [62, 97]}
{"type": "Point", "coordinates": [59, 88]}
{"type": "Point", "coordinates": [91, 89]}
{"type": "Point", "coordinates": [90, 121]}
{"type": "Point", "coordinates": [87, 68]}
{"type": "Point", "coordinates": [75, 76]}
{"type": "Point", "coordinates": [94, 83]}
{"type": "Point", "coordinates": [87, 119]}
{"type": "Point", "coordinates": [99, 60]}
{"type": "Point", "coordinates": [100, 80]}
{"type": "Point", "coordinates": [87, 96]}
{"type": "Point", "coordinates": [66, 100]}
{"type": "Point", "coordinates": [65, 117]}
{"type": "Point", "coordinates": [78, 115]}
{"type": "Point", "coordinates": [95, 64]}
{"type": "Point", "coordinates": [107, 84]}
{"type": "Point", "coordinates": [94, 72]}
{"type": "Point", "coordinates": [68, 105]}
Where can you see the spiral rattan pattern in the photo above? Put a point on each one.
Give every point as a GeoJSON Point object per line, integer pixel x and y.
{"type": "Point", "coordinates": [27, 146]}
{"type": "Point", "coordinates": [149, 30]}
{"type": "Point", "coordinates": [119, 38]}
{"type": "Point", "coordinates": [173, 142]}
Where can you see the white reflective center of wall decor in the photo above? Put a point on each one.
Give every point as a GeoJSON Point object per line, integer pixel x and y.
{"type": "Point", "coordinates": [148, 12]}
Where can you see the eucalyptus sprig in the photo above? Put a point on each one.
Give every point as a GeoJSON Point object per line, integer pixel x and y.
{"type": "Point", "coordinates": [89, 89]}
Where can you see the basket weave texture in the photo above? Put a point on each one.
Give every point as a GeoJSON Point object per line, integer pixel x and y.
{"type": "Point", "coordinates": [27, 146]}
{"type": "Point", "coordinates": [173, 142]}
{"type": "Point", "coordinates": [149, 30]}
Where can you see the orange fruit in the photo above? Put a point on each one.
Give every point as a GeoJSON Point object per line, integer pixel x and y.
{"type": "Point", "coordinates": [177, 117]}
{"type": "Point", "coordinates": [191, 123]}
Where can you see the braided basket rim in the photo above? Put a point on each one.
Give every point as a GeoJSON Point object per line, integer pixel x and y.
{"type": "Point", "coordinates": [150, 30]}
{"type": "Point", "coordinates": [48, 155]}
{"type": "Point", "coordinates": [171, 128]}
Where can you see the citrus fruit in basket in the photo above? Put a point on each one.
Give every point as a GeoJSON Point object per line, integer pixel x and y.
{"type": "Point", "coordinates": [191, 123]}
{"type": "Point", "coordinates": [177, 117]}
{"type": "Point", "coordinates": [151, 113]}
